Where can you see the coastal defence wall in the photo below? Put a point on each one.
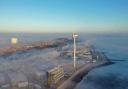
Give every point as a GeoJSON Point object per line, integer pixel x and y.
{"type": "Point", "coordinates": [79, 74]}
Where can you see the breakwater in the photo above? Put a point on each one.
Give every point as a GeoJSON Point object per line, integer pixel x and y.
{"type": "Point", "coordinates": [102, 60]}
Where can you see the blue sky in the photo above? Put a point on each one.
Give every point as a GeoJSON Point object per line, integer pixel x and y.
{"type": "Point", "coordinates": [63, 15]}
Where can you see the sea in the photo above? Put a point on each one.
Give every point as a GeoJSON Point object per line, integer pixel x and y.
{"type": "Point", "coordinates": [114, 45]}
{"type": "Point", "coordinates": [115, 76]}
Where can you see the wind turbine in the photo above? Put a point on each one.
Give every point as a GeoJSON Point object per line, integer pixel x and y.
{"type": "Point", "coordinates": [74, 50]}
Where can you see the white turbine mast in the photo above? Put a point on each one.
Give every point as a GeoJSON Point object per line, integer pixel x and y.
{"type": "Point", "coordinates": [74, 50]}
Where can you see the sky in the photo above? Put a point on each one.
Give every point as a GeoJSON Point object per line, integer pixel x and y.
{"type": "Point", "coordinates": [63, 16]}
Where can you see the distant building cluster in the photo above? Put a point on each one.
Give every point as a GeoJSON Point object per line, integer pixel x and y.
{"type": "Point", "coordinates": [40, 44]}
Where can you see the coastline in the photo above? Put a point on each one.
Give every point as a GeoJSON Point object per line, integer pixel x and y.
{"type": "Point", "coordinates": [72, 82]}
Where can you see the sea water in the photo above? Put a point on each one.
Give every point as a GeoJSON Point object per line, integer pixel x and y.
{"type": "Point", "coordinates": [114, 76]}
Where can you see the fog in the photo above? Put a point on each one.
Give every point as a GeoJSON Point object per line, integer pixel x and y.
{"type": "Point", "coordinates": [39, 61]}
{"type": "Point", "coordinates": [29, 63]}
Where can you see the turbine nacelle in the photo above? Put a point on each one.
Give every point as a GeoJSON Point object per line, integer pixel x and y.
{"type": "Point", "coordinates": [74, 35]}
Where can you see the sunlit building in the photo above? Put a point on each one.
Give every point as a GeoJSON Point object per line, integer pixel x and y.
{"type": "Point", "coordinates": [14, 40]}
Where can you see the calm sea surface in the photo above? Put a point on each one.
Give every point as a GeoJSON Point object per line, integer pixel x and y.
{"type": "Point", "coordinates": [114, 76]}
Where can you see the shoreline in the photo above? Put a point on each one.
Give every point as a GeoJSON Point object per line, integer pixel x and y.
{"type": "Point", "coordinates": [76, 78]}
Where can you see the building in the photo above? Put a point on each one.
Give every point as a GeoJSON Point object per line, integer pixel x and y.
{"type": "Point", "coordinates": [54, 75]}
{"type": "Point", "coordinates": [14, 40]}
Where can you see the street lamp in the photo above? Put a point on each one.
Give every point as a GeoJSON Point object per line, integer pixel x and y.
{"type": "Point", "coordinates": [74, 50]}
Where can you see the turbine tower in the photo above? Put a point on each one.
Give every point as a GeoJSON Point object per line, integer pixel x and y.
{"type": "Point", "coordinates": [74, 50]}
